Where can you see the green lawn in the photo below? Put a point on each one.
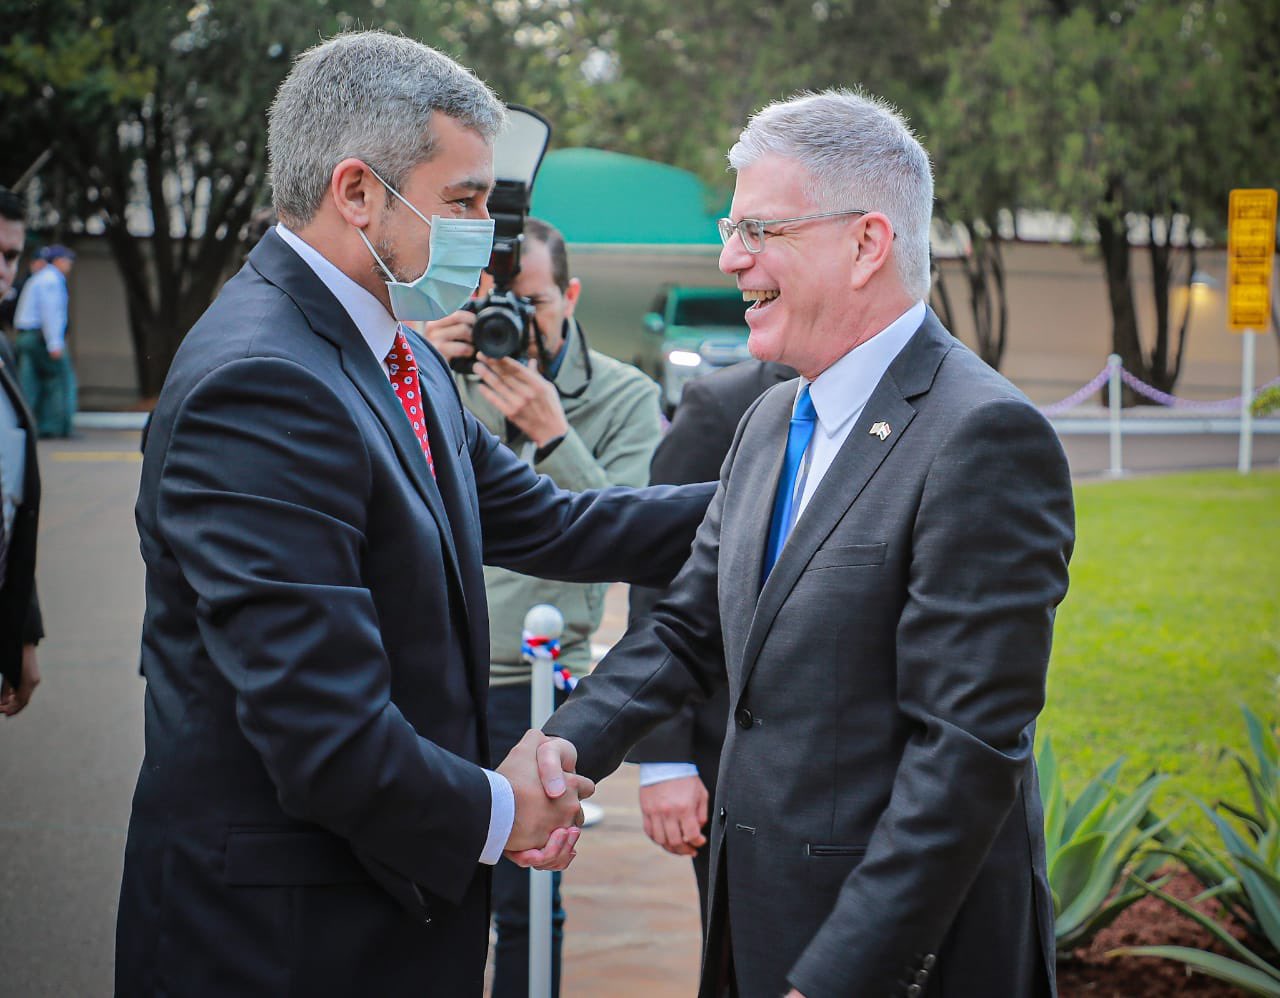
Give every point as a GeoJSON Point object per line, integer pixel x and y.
{"type": "Point", "coordinates": [1172, 622]}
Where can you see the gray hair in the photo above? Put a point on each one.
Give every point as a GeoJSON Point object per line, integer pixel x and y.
{"type": "Point", "coordinates": [369, 95]}
{"type": "Point", "coordinates": [860, 153]}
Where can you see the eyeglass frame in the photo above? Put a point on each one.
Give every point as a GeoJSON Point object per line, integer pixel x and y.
{"type": "Point", "coordinates": [727, 227]}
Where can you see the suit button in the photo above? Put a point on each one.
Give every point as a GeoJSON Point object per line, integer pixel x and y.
{"type": "Point", "coordinates": [723, 814]}
{"type": "Point", "coordinates": [913, 991]}
{"type": "Point", "coordinates": [928, 961]}
{"type": "Point", "coordinates": [744, 718]}
{"type": "Point", "coordinates": [921, 977]}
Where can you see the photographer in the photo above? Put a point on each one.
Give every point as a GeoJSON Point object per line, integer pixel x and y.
{"type": "Point", "coordinates": [587, 421]}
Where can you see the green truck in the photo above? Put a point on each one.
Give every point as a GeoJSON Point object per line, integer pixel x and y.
{"type": "Point", "coordinates": [691, 331]}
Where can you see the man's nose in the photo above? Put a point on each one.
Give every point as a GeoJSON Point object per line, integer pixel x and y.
{"type": "Point", "coordinates": [734, 256]}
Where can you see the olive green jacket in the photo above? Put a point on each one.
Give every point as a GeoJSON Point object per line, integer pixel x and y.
{"type": "Point", "coordinates": [614, 428]}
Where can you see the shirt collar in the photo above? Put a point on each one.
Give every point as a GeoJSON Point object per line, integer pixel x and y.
{"type": "Point", "coordinates": [841, 391]}
{"type": "Point", "coordinates": [376, 324]}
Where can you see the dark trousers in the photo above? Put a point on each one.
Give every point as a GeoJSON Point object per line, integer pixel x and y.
{"type": "Point", "coordinates": [508, 721]}
{"type": "Point", "coordinates": [48, 384]}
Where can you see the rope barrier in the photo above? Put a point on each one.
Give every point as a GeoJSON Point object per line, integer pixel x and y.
{"type": "Point", "coordinates": [1151, 393]}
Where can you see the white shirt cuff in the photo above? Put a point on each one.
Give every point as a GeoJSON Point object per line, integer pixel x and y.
{"type": "Point", "coordinates": [501, 817]}
{"type": "Point", "coordinates": [660, 772]}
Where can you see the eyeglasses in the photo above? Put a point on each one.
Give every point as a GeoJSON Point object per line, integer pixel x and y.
{"type": "Point", "coordinates": [752, 230]}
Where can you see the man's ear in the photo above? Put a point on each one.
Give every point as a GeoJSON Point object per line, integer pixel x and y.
{"type": "Point", "coordinates": [872, 245]}
{"type": "Point", "coordinates": [356, 192]}
{"type": "Point", "coordinates": [571, 294]}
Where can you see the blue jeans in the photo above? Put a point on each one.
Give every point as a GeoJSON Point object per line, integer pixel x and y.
{"type": "Point", "coordinates": [508, 721]}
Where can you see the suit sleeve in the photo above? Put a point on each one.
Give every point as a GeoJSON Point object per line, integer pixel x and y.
{"type": "Point", "coordinates": [263, 501]}
{"type": "Point", "coordinates": [33, 624]}
{"type": "Point", "coordinates": [673, 657]}
{"type": "Point", "coordinates": [991, 542]}
{"type": "Point", "coordinates": [692, 451]}
{"type": "Point", "coordinates": [531, 525]}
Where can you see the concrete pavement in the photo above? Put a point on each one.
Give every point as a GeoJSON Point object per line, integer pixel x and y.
{"type": "Point", "coordinates": [67, 764]}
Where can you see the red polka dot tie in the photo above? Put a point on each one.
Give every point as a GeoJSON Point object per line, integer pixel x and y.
{"type": "Point", "coordinates": [404, 382]}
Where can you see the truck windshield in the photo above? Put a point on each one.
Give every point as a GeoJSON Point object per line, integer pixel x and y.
{"type": "Point", "coordinates": [719, 311]}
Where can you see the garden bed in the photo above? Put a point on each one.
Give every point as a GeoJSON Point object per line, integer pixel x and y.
{"type": "Point", "coordinates": [1088, 973]}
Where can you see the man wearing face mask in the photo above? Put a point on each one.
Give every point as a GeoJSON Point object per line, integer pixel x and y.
{"type": "Point", "coordinates": [315, 812]}
{"type": "Point", "coordinates": [587, 421]}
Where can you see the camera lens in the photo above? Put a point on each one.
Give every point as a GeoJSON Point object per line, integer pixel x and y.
{"type": "Point", "coordinates": [499, 332]}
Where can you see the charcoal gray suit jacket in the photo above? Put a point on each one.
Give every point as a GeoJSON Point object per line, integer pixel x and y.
{"type": "Point", "coordinates": [877, 825]}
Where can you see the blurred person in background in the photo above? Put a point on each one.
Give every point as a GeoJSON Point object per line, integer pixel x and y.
{"type": "Point", "coordinates": [587, 421]}
{"type": "Point", "coordinates": [44, 366]}
{"type": "Point", "coordinates": [20, 624]}
{"type": "Point", "coordinates": [679, 758]}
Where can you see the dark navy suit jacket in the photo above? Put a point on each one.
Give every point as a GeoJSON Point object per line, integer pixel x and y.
{"type": "Point", "coordinates": [20, 621]}
{"type": "Point", "coordinates": [312, 804]}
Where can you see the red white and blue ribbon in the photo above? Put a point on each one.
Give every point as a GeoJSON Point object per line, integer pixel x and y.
{"type": "Point", "coordinates": [538, 648]}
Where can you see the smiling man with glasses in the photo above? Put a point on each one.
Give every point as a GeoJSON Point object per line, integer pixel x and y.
{"type": "Point", "coordinates": [875, 583]}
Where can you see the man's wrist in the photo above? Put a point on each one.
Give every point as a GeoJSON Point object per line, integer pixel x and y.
{"type": "Point", "coordinates": [661, 772]}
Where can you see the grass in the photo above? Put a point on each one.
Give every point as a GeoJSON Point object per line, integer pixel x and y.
{"type": "Point", "coordinates": [1171, 623]}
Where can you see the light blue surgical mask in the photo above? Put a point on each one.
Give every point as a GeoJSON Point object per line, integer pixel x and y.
{"type": "Point", "coordinates": [460, 249]}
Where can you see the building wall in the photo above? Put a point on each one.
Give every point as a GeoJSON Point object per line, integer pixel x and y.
{"type": "Point", "coordinates": [1059, 336]}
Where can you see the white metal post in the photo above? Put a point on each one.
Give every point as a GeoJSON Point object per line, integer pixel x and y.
{"type": "Point", "coordinates": [1113, 400]}
{"type": "Point", "coordinates": [542, 621]}
{"type": "Point", "coordinates": [1246, 403]}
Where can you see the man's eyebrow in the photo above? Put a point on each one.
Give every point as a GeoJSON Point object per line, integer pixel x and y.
{"type": "Point", "coordinates": [470, 184]}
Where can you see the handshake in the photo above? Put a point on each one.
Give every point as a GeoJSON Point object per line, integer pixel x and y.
{"type": "Point", "coordinates": [548, 817]}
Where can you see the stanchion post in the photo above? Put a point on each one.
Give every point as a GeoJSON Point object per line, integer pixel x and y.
{"type": "Point", "coordinates": [1114, 401]}
{"type": "Point", "coordinates": [1246, 403]}
{"type": "Point", "coordinates": [543, 625]}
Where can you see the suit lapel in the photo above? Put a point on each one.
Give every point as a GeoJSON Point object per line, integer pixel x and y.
{"type": "Point", "coordinates": [284, 268]}
{"type": "Point", "coordinates": [860, 457]}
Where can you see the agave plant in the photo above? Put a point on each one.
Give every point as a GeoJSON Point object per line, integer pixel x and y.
{"type": "Point", "coordinates": [1242, 874]}
{"type": "Point", "coordinates": [1091, 843]}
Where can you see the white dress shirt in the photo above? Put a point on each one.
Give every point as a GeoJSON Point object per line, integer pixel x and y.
{"type": "Point", "coordinates": [43, 306]}
{"type": "Point", "coordinates": [378, 327]}
{"type": "Point", "coordinates": [839, 394]}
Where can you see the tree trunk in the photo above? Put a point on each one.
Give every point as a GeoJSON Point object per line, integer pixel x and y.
{"type": "Point", "coordinates": [1113, 241]}
{"type": "Point", "coordinates": [939, 297]}
{"type": "Point", "coordinates": [988, 301]}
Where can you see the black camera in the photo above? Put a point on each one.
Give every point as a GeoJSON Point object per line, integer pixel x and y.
{"type": "Point", "coordinates": [504, 321]}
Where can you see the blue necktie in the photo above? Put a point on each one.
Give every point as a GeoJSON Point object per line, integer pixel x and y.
{"type": "Point", "coordinates": [799, 434]}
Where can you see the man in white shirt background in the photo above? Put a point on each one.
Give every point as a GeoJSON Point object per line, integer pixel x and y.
{"type": "Point", "coordinates": [44, 365]}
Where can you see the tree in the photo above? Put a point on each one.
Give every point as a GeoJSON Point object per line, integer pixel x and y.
{"type": "Point", "coordinates": [1146, 105]}
{"type": "Point", "coordinates": [982, 133]}
{"type": "Point", "coordinates": [155, 116]}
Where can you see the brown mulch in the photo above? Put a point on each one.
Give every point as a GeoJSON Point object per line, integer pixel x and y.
{"type": "Point", "coordinates": [1088, 973]}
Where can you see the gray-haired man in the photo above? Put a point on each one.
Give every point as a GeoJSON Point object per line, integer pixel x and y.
{"type": "Point", "coordinates": [314, 815]}
{"type": "Point", "coordinates": [875, 582]}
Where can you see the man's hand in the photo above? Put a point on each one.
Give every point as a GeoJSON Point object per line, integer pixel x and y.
{"type": "Point", "coordinates": [11, 700]}
{"type": "Point", "coordinates": [524, 396]}
{"type": "Point", "coordinates": [675, 812]}
{"type": "Point", "coordinates": [793, 993]}
{"type": "Point", "coordinates": [547, 792]}
{"type": "Point", "coordinates": [451, 335]}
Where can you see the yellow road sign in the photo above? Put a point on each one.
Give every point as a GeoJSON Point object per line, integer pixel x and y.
{"type": "Point", "coordinates": [1251, 244]}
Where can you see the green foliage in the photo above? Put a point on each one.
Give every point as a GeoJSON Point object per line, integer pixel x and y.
{"type": "Point", "coordinates": [1173, 618]}
{"type": "Point", "coordinates": [1091, 843]}
{"type": "Point", "coordinates": [1267, 401]}
{"type": "Point", "coordinates": [1242, 873]}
